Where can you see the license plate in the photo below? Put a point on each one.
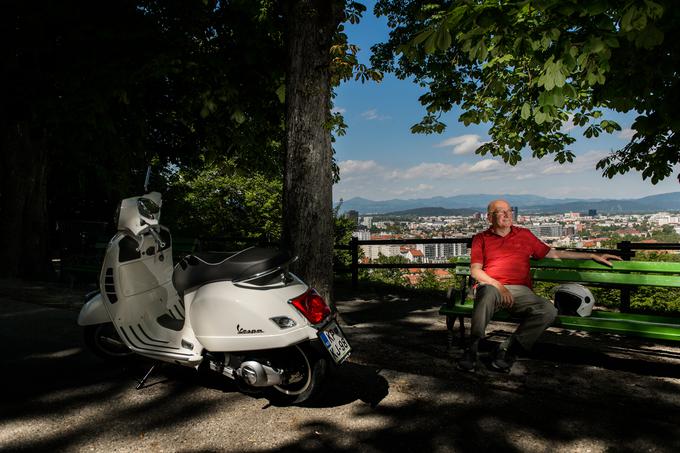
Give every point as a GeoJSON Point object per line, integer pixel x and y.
{"type": "Point", "coordinates": [336, 343]}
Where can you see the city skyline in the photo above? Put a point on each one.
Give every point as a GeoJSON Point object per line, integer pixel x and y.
{"type": "Point", "coordinates": [379, 158]}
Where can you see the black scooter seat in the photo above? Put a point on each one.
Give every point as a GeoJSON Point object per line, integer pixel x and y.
{"type": "Point", "coordinates": [201, 268]}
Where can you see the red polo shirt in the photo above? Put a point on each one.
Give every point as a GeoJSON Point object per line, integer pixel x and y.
{"type": "Point", "coordinates": [506, 258]}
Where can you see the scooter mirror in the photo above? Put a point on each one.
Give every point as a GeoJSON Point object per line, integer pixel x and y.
{"type": "Point", "coordinates": [148, 208]}
{"type": "Point", "coordinates": [136, 213]}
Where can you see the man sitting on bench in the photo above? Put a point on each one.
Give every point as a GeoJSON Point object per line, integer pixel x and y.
{"type": "Point", "coordinates": [499, 262]}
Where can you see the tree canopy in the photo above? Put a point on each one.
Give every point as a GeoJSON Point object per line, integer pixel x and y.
{"type": "Point", "coordinates": [92, 98]}
{"type": "Point", "coordinates": [531, 69]}
{"type": "Point", "coordinates": [224, 98]}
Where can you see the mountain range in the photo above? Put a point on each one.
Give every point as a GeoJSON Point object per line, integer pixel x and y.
{"type": "Point", "coordinates": [530, 204]}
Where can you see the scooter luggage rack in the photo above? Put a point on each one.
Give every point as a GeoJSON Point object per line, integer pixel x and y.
{"type": "Point", "coordinates": [244, 282]}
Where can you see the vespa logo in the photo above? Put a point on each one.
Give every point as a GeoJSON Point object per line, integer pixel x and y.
{"type": "Point", "coordinates": [242, 331]}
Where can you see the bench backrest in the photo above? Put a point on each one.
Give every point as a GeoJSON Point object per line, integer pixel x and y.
{"type": "Point", "coordinates": [622, 273]}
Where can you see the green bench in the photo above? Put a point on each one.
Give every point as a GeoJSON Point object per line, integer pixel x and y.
{"type": "Point", "coordinates": [624, 274]}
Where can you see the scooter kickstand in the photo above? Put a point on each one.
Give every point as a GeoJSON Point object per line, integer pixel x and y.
{"type": "Point", "coordinates": [142, 381]}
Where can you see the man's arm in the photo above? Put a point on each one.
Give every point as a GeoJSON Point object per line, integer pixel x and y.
{"type": "Point", "coordinates": [567, 255]}
{"type": "Point", "coordinates": [478, 274]}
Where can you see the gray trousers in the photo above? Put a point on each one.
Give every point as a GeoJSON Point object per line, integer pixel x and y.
{"type": "Point", "coordinates": [537, 313]}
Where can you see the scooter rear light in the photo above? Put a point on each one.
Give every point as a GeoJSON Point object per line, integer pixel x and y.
{"type": "Point", "coordinates": [312, 306]}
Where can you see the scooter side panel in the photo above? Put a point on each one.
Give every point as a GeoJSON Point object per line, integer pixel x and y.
{"type": "Point", "coordinates": [142, 275]}
{"type": "Point", "coordinates": [226, 317]}
{"type": "Point", "coordinates": [145, 294]}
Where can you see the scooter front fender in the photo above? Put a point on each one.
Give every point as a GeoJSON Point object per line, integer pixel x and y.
{"type": "Point", "coordinates": [93, 312]}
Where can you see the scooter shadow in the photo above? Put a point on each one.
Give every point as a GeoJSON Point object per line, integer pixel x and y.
{"type": "Point", "coordinates": [349, 383]}
{"type": "Point", "coordinates": [344, 385]}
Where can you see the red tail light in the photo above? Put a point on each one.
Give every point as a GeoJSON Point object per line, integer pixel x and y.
{"type": "Point", "coordinates": [312, 306]}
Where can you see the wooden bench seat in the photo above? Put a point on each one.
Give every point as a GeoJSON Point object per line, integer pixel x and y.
{"type": "Point", "coordinates": [623, 274]}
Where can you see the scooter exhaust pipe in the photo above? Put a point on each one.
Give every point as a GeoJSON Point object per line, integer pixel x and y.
{"type": "Point", "coordinates": [256, 374]}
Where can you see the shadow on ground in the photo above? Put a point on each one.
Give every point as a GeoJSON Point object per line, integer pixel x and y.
{"type": "Point", "coordinates": [400, 391]}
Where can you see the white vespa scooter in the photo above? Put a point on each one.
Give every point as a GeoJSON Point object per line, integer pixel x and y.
{"type": "Point", "coordinates": [244, 315]}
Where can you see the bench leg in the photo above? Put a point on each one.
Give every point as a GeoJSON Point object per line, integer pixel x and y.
{"type": "Point", "coordinates": [450, 321]}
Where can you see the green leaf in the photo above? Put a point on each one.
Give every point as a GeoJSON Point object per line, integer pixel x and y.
{"type": "Point", "coordinates": [591, 78]}
{"type": "Point", "coordinates": [612, 42]}
{"type": "Point", "coordinates": [539, 117]}
{"type": "Point", "coordinates": [526, 111]}
{"type": "Point", "coordinates": [422, 36]}
{"type": "Point", "coordinates": [281, 93]}
{"type": "Point", "coordinates": [627, 19]}
{"type": "Point", "coordinates": [238, 116]}
{"type": "Point", "coordinates": [443, 39]}
{"type": "Point", "coordinates": [653, 9]}
{"type": "Point", "coordinates": [596, 45]}
{"type": "Point", "coordinates": [431, 43]}
{"type": "Point", "coordinates": [548, 81]}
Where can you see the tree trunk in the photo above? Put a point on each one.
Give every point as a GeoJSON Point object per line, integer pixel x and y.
{"type": "Point", "coordinates": [307, 192]}
{"type": "Point", "coordinates": [23, 204]}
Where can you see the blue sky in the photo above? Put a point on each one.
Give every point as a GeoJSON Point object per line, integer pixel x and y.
{"type": "Point", "coordinates": [380, 159]}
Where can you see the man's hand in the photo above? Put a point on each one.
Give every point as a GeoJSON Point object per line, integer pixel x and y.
{"type": "Point", "coordinates": [506, 296]}
{"type": "Point", "coordinates": [604, 258]}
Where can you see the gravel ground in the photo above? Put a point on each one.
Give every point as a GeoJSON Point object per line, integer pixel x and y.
{"type": "Point", "coordinates": [399, 392]}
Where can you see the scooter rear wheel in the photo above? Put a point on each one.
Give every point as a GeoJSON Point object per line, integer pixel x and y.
{"type": "Point", "coordinates": [104, 341]}
{"type": "Point", "coordinates": [312, 371]}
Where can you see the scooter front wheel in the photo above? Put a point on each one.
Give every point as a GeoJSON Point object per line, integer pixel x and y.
{"type": "Point", "coordinates": [104, 341]}
{"type": "Point", "coordinates": [309, 369]}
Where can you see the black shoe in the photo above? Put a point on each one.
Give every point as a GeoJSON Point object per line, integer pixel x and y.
{"type": "Point", "coordinates": [502, 360]}
{"type": "Point", "coordinates": [469, 360]}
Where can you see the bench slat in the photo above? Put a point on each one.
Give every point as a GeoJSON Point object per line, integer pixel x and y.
{"type": "Point", "coordinates": [605, 278]}
{"type": "Point", "coordinates": [645, 326]}
{"type": "Point", "coordinates": [618, 266]}
{"type": "Point", "coordinates": [466, 309]}
{"type": "Point", "coordinates": [601, 278]}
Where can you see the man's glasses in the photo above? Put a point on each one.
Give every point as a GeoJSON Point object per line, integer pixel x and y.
{"type": "Point", "coordinates": [507, 212]}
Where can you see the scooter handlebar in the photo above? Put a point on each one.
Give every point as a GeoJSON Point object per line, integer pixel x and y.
{"type": "Point", "coordinates": [157, 237]}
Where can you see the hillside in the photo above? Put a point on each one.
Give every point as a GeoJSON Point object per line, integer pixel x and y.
{"type": "Point", "coordinates": [465, 204]}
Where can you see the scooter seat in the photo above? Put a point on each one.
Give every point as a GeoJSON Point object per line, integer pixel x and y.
{"type": "Point", "coordinates": [201, 268]}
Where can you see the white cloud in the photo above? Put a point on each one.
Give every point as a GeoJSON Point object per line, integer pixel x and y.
{"type": "Point", "coordinates": [425, 170]}
{"type": "Point", "coordinates": [413, 190]}
{"type": "Point", "coordinates": [348, 167]}
{"type": "Point", "coordinates": [339, 110]}
{"type": "Point", "coordinates": [582, 163]}
{"type": "Point", "coordinates": [485, 166]}
{"type": "Point", "coordinates": [442, 171]}
{"type": "Point", "coordinates": [373, 114]}
{"type": "Point", "coordinates": [462, 144]}
{"type": "Point", "coordinates": [626, 134]}
{"type": "Point", "coordinates": [568, 124]}
{"type": "Point", "coordinates": [558, 169]}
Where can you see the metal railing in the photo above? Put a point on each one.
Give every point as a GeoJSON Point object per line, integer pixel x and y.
{"type": "Point", "coordinates": [355, 265]}
{"type": "Point", "coordinates": [625, 249]}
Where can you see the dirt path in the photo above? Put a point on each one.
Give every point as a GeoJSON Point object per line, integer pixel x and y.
{"type": "Point", "coordinates": [400, 391]}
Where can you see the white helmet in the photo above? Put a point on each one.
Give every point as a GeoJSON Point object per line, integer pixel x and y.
{"type": "Point", "coordinates": [573, 299]}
